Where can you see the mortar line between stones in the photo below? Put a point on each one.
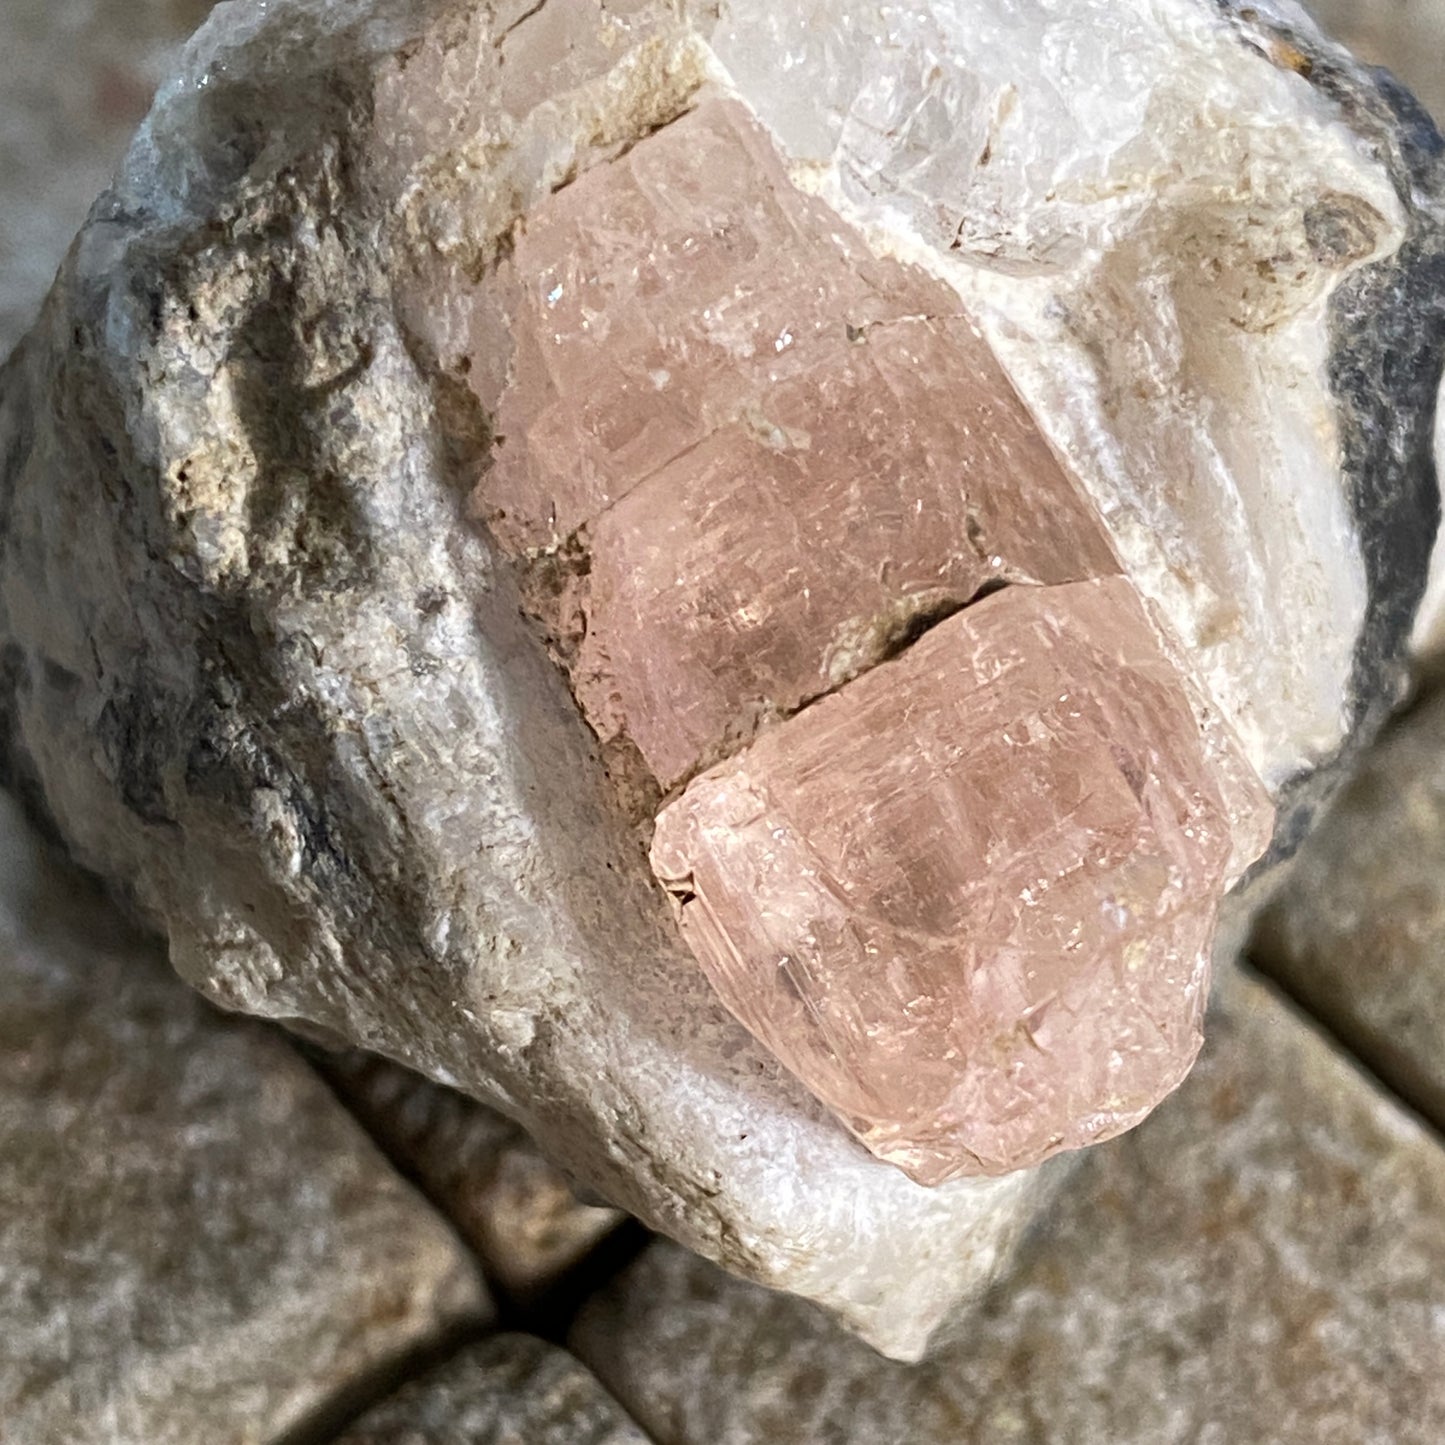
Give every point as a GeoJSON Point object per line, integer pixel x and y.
{"type": "Point", "coordinates": [550, 1316]}
{"type": "Point", "coordinates": [353, 1399]}
{"type": "Point", "coordinates": [1354, 1044]}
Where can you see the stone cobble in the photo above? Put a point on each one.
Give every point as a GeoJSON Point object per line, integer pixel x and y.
{"type": "Point", "coordinates": [197, 1243]}
{"type": "Point", "coordinates": [507, 1390]}
{"type": "Point", "coordinates": [1357, 932]}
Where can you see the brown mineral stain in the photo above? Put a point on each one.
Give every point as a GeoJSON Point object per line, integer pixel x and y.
{"type": "Point", "coordinates": [1291, 57]}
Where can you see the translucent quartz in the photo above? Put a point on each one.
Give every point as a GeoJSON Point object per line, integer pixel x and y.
{"type": "Point", "coordinates": [779, 454]}
{"type": "Point", "coordinates": [969, 899]}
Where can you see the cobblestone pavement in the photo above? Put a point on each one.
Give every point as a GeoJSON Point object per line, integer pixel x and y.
{"type": "Point", "coordinates": [210, 1233]}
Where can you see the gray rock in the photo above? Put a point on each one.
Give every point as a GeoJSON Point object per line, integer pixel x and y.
{"type": "Point", "coordinates": [516, 1210]}
{"type": "Point", "coordinates": [261, 672]}
{"type": "Point", "coordinates": [196, 1241]}
{"type": "Point", "coordinates": [1357, 931]}
{"type": "Point", "coordinates": [1263, 1261]}
{"type": "Point", "coordinates": [508, 1390]}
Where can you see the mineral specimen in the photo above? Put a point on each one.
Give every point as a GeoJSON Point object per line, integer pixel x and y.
{"type": "Point", "coordinates": [468, 430]}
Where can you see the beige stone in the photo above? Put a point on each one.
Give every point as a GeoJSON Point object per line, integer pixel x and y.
{"type": "Point", "coordinates": [1263, 1261]}
{"type": "Point", "coordinates": [196, 1242]}
{"type": "Point", "coordinates": [516, 1210]}
{"type": "Point", "coordinates": [507, 1390]}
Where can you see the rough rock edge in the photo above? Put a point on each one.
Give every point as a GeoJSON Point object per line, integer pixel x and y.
{"type": "Point", "coordinates": [1387, 335]}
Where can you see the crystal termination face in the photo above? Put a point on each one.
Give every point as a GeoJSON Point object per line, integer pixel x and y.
{"type": "Point", "coordinates": [962, 899]}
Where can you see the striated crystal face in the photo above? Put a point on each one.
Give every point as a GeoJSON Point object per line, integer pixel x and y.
{"type": "Point", "coordinates": [940, 819]}
{"type": "Point", "coordinates": [970, 898]}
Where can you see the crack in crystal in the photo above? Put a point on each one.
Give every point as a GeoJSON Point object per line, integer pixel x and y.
{"type": "Point", "coordinates": [918, 627]}
{"type": "Point", "coordinates": [863, 331]}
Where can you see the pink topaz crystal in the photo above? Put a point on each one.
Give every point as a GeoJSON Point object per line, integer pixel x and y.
{"type": "Point", "coordinates": [970, 899]}
{"type": "Point", "coordinates": [779, 452]}
{"type": "Point", "coordinates": [952, 852]}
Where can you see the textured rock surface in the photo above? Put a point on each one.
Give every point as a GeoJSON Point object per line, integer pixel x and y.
{"type": "Point", "coordinates": [992, 941]}
{"type": "Point", "coordinates": [76, 78]}
{"type": "Point", "coordinates": [1264, 1259]}
{"type": "Point", "coordinates": [508, 1390]}
{"type": "Point", "coordinates": [264, 674]}
{"type": "Point", "coordinates": [1357, 933]}
{"type": "Point", "coordinates": [197, 1242]}
{"type": "Point", "coordinates": [514, 1208]}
